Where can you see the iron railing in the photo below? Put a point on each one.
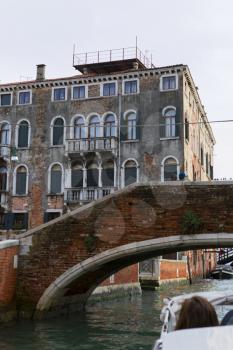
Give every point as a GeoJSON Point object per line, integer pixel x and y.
{"type": "Point", "coordinates": [111, 56]}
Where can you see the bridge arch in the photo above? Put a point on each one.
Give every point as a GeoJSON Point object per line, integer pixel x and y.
{"type": "Point", "coordinates": [121, 257]}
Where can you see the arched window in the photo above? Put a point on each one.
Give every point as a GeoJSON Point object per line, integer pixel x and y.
{"type": "Point", "coordinates": [77, 176]}
{"type": "Point", "coordinates": [79, 128]}
{"type": "Point", "coordinates": [58, 132]}
{"type": "Point", "coordinates": [131, 122]}
{"type": "Point", "coordinates": [109, 126]}
{"type": "Point", "coordinates": [3, 178]}
{"type": "Point", "coordinates": [92, 175]}
{"type": "Point", "coordinates": [108, 174]}
{"type": "Point", "coordinates": [170, 169]}
{"type": "Point", "coordinates": [23, 134]}
{"type": "Point", "coordinates": [94, 127]}
{"type": "Point", "coordinates": [21, 181]}
{"type": "Point", "coordinates": [170, 122]}
{"type": "Point", "coordinates": [130, 172]}
{"type": "Point", "coordinates": [5, 134]}
{"type": "Point", "coordinates": [56, 179]}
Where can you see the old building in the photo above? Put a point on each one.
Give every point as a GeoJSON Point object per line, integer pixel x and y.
{"type": "Point", "coordinates": [67, 141]}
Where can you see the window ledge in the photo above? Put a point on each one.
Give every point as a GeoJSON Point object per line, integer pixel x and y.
{"type": "Point", "coordinates": [168, 90]}
{"type": "Point", "coordinates": [23, 148]}
{"type": "Point", "coordinates": [169, 138]}
{"type": "Point", "coordinates": [59, 100]}
{"type": "Point", "coordinates": [55, 194]}
{"type": "Point", "coordinates": [20, 195]}
{"type": "Point", "coordinates": [23, 104]}
{"type": "Point", "coordinates": [130, 141]}
{"type": "Point", "coordinates": [56, 146]}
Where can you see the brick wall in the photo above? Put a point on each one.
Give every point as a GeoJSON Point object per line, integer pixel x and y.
{"type": "Point", "coordinates": [172, 269]}
{"type": "Point", "coordinates": [125, 276]}
{"type": "Point", "coordinates": [8, 274]}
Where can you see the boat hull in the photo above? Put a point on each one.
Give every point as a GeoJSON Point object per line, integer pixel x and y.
{"type": "Point", "coordinates": [221, 274]}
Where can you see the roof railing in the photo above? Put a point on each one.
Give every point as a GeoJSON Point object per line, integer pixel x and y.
{"type": "Point", "coordinates": [111, 56]}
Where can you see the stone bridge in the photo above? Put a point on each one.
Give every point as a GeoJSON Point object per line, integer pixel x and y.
{"type": "Point", "coordinates": [61, 262]}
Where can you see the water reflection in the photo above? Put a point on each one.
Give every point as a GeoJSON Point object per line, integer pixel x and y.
{"type": "Point", "coordinates": [126, 324]}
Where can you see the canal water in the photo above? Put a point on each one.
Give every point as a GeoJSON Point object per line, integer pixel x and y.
{"type": "Point", "coordinates": [123, 324]}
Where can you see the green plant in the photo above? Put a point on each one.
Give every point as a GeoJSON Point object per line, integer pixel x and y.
{"type": "Point", "coordinates": [90, 242]}
{"type": "Point", "coordinates": [191, 223]}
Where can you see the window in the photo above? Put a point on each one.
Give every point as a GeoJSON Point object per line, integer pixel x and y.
{"type": "Point", "coordinates": [202, 156]}
{"type": "Point", "coordinates": [78, 92]}
{"type": "Point", "coordinates": [51, 215]}
{"type": "Point", "coordinates": [207, 163]}
{"type": "Point", "coordinates": [5, 99]}
{"type": "Point", "coordinates": [23, 134]}
{"type": "Point", "coordinates": [59, 94]}
{"type": "Point", "coordinates": [170, 122]}
{"type": "Point", "coordinates": [130, 172]}
{"type": "Point", "coordinates": [109, 126]}
{"type": "Point", "coordinates": [170, 169]}
{"type": "Point", "coordinates": [94, 127]}
{"type": "Point", "coordinates": [131, 126]}
{"type": "Point", "coordinates": [77, 176]}
{"type": "Point", "coordinates": [58, 132]}
{"type": "Point", "coordinates": [109, 89]}
{"type": "Point", "coordinates": [24, 97]}
{"type": "Point", "coordinates": [108, 174]}
{"type": "Point", "coordinates": [20, 221]}
{"type": "Point", "coordinates": [79, 128]}
{"type": "Point", "coordinates": [3, 178]}
{"type": "Point", "coordinates": [5, 139]}
{"type": "Point", "coordinates": [56, 179]}
{"type": "Point", "coordinates": [169, 83]}
{"type": "Point", "coordinates": [186, 130]}
{"type": "Point", "coordinates": [92, 175]}
{"type": "Point", "coordinates": [21, 181]}
{"type": "Point", "coordinates": [131, 87]}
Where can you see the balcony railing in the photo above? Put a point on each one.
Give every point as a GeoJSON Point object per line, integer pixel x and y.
{"type": "Point", "coordinates": [92, 144]}
{"type": "Point", "coordinates": [5, 151]}
{"type": "Point", "coordinates": [75, 195]}
{"type": "Point", "coordinates": [3, 197]}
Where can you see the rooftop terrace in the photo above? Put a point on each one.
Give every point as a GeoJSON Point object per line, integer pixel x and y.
{"type": "Point", "coordinates": [110, 61]}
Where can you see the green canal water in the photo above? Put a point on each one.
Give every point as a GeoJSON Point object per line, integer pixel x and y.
{"type": "Point", "coordinates": [122, 324]}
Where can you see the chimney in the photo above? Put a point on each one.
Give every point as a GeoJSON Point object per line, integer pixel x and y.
{"type": "Point", "coordinates": [40, 72]}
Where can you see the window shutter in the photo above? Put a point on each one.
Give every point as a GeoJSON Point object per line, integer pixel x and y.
{"type": "Point", "coordinates": [123, 129]}
{"type": "Point", "coordinates": [138, 126]}
{"type": "Point", "coordinates": [9, 219]}
{"type": "Point", "coordinates": [25, 221]}
{"type": "Point", "coordinates": [23, 134]}
{"type": "Point", "coordinates": [45, 216]}
{"type": "Point", "coordinates": [178, 125]}
{"type": "Point", "coordinates": [161, 123]}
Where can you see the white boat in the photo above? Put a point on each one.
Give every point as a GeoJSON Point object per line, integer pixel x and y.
{"type": "Point", "coordinates": [222, 272]}
{"type": "Point", "coordinates": [188, 339]}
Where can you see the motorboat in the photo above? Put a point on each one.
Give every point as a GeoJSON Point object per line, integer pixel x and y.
{"type": "Point", "coordinates": [223, 272]}
{"type": "Point", "coordinates": [174, 340]}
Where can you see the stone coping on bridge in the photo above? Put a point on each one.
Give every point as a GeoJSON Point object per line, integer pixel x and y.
{"type": "Point", "coordinates": [9, 243]}
{"type": "Point", "coordinates": [117, 193]}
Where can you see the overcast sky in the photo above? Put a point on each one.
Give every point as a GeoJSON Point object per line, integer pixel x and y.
{"type": "Point", "coordinates": [195, 32]}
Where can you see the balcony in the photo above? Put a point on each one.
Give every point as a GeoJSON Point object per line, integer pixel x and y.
{"type": "Point", "coordinates": [3, 198]}
{"type": "Point", "coordinates": [5, 151]}
{"type": "Point", "coordinates": [92, 145]}
{"type": "Point", "coordinates": [89, 194]}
